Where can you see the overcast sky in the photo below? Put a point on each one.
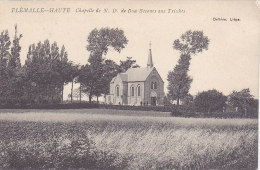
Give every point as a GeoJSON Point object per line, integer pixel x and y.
{"type": "Point", "coordinates": [231, 62]}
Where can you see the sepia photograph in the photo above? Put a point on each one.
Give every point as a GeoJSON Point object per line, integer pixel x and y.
{"type": "Point", "coordinates": [133, 84]}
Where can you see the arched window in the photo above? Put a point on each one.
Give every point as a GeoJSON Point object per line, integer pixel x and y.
{"type": "Point", "coordinates": [117, 90]}
{"type": "Point", "coordinates": [155, 85]}
{"type": "Point", "coordinates": [132, 91]}
{"type": "Point", "coordinates": [139, 90]}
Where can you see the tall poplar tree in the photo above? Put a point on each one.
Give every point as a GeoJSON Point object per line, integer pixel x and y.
{"type": "Point", "coordinates": [15, 50]}
{"type": "Point", "coordinates": [190, 43]}
{"type": "Point", "coordinates": [15, 82]}
{"type": "Point", "coordinates": [4, 56]}
{"type": "Point", "coordinates": [10, 68]}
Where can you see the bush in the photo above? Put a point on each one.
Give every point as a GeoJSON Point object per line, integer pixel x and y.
{"type": "Point", "coordinates": [210, 101]}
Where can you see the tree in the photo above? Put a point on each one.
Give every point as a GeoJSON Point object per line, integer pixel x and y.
{"type": "Point", "coordinates": [47, 70]}
{"type": "Point", "coordinates": [179, 81]}
{"type": "Point", "coordinates": [98, 43]}
{"type": "Point", "coordinates": [4, 56]}
{"type": "Point", "coordinates": [10, 68]}
{"type": "Point", "coordinates": [100, 40]}
{"type": "Point", "coordinates": [14, 60]}
{"type": "Point", "coordinates": [110, 70]}
{"type": "Point", "coordinates": [211, 100]}
{"type": "Point", "coordinates": [73, 72]}
{"type": "Point", "coordinates": [64, 67]}
{"type": "Point", "coordinates": [86, 78]}
{"type": "Point", "coordinates": [190, 43]}
{"type": "Point", "coordinates": [97, 74]}
{"type": "Point", "coordinates": [242, 99]}
{"type": "Point", "coordinates": [14, 70]}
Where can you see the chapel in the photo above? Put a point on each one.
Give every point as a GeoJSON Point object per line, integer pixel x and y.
{"type": "Point", "coordinates": [137, 86]}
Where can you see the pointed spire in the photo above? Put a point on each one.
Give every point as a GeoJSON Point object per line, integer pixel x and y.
{"type": "Point", "coordinates": [150, 60]}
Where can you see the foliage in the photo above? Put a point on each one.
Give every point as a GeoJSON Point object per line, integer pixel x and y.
{"type": "Point", "coordinates": [65, 69]}
{"type": "Point", "coordinates": [187, 100]}
{"type": "Point", "coordinates": [73, 75]}
{"type": "Point", "coordinates": [14, 60]}
{"type": "Point", "coordinates": [46, 71]}
{"type": "Point", "coordinates": [179, 81]}
{"type": "Point", "coordinates": [86, 79]}
{"type": "Point", "coordinates": [242, 99]}
{"type": "Point", "coordinates": [99, 72]}
{"type": "Point", "coordinates": [10, 68]}
{"type": "Point", "coordinates": [105, 141]}
{"type": "Point", "coordinates": [190, 43]}
{"type": "Point", "coordinates": [4, 56]}
{"type": "Point", "coordinates": [129, 63]}
{"type": "Point", "coordinates": [100, 40]}
{"type": "Point", "coordinates": [209, 101]}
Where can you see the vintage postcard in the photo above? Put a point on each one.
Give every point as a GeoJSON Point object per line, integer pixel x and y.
{"type": "Point", "coordinates": [129, 84]}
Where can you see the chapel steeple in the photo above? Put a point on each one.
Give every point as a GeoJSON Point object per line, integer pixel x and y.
{"type": "Point", "coordinates": [150, 60]}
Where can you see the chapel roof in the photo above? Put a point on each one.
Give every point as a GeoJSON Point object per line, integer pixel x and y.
{"type": "Point", "coordinates": [138, 74]}
{"type": "Point", "coordinates": [134, 74]}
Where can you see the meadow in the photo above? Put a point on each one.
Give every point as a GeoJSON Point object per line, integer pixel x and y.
{"type": "Point", "coordinates": [110, 139]}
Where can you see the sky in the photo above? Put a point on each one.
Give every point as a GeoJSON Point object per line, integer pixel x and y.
{"type": "Point", "coordinates": [230, 63]}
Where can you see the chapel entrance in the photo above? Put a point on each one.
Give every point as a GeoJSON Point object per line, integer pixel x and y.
{"type": "Point", "coordinates": [153, 101]}
{"type": "Point", "coordinates": [153, 98]}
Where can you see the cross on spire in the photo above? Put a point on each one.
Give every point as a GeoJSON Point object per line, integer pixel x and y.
{"type": "Point", "coordinates": [150, 45]}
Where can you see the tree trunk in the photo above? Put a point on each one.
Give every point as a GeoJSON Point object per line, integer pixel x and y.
{"type": "Point", "coordinates": [40, 95]}
{"type": "Point", "coordinates": [178, 101]}
{"type": "Point", "coordinates": [90, 96]}
{"type": "Point", "coordinates": [97, 98]}
{"type": "Point", "coordinates": [71, 97]}
{"type": "Point", "coordinates": [52, 94]}
{"type": "Point", "coordinates": [62, 89]}
{"type": "Point", "coordinates": [46, 93]}
{"type": "Point", "coordinates": [79, 92]}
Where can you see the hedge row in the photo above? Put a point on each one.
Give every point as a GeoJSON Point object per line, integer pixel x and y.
{"type": "Point", "coordinates": [90, 105]}
{"type": "Point", "coordinates": [181, 111]}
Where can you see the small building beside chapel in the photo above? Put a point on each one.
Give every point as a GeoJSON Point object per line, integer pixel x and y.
{"type": "Point", "coordinates": [137, 86]}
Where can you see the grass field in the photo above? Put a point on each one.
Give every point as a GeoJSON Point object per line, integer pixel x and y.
{"type": "Point", "coordinates": [93, 139]}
